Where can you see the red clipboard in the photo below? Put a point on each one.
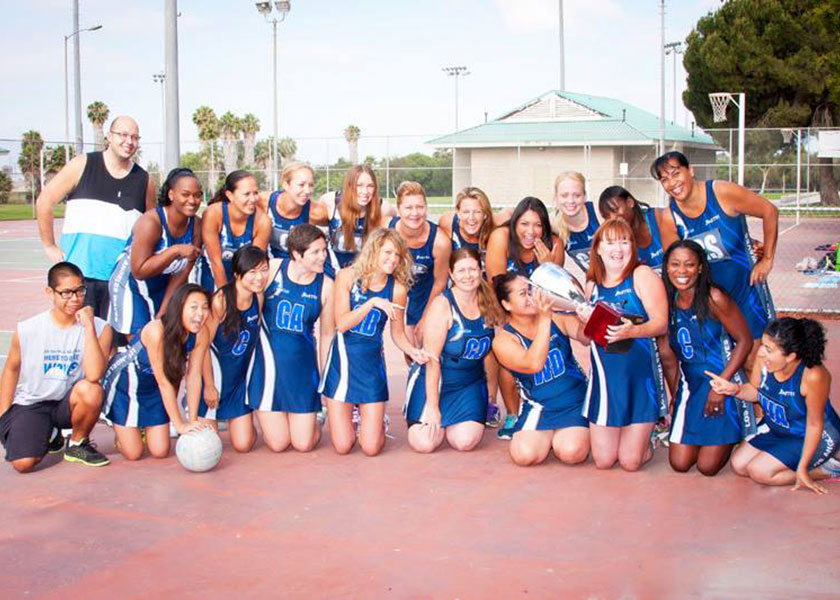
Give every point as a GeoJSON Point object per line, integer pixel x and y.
{"type": "Point", "coordinates": [603, 316]}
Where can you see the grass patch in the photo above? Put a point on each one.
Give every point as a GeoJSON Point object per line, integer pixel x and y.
{"type": "Point", "coordinates": [23, 212]}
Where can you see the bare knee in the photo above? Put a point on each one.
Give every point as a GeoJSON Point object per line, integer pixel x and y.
{"type": "Point", "coordinates": [631, 463]}
{"type": "Point", "coordinates": [159, 451]}
{"type": "Point", "coordinates": [464, 444]}
{"type": "Point", "coordinates": [343, 446]}
{"type": "Point", "coordinates": [757, 473]}
{"type": "Point", "coordinates": [680, 465]}
{"type": "Point", "coordinates": [306, 444]}
{"type": "Point", "coordinates": [372, 447]}
{"type": "Point", "coordinates": [525, 456]}
{"type": "Point", "coordinates": [709, 470]}
{"type": "Point", "coordinates": [604, 461]}
{"type": "Point", "coordinates": [131, 454]}
{"type": "Point", "coordinates": [422, 444]}
{"type": "Point", "coordinates": [740, 467]}
{"type": "Point", "coordinates": [89, 394]}
{"type": "Point", "coordinates": [243, 445]}
{"type": "Point", "coordinates": [571, 454]}
{"type": "Point", "coordinates": [25, 465]}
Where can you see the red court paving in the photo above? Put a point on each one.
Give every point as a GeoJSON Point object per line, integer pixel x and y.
{"type": "Point", "coordinates": [400, 525]}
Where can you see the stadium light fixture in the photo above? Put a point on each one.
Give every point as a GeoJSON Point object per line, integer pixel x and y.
{"type": "Point", "coordinates": [456, 72]}
{"type": "Point", "coordinates": [77, 79]}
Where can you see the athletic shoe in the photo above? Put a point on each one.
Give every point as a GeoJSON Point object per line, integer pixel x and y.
{"type": "Point", "coordinates": [494, 415]}
{"type": "Point", "coordinates": [356, 419]}
{"type": "Point", "coordinates": [661, 434]}
{"type": "Point", "coordinates": [832, 468]}
{"type": "Point", "coordinates": [85, 453]}
{"type": "Point", "coordinates": [322, 417]}
{"type": "Point", "coordinates": [56, 444]}
{"type": "Point", "coordinates": [506, 431]}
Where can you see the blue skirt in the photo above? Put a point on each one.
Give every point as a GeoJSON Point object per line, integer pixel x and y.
{"type": "Point", "coordinates": [355, 371]}
{"type": "Point", "coordinates": [458, 403]}
{"type": "Point", "coordinates": [690, 426]}
{"type": "Point", "coordinates": [788, 448]}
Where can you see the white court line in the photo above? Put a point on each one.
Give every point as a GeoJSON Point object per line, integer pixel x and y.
{"type": "Point", "coordinates": [22, 239]}
{"type": "Point", "coordinates": [22, 279]}
{"type": "Point", "coordinates": [794, 226]}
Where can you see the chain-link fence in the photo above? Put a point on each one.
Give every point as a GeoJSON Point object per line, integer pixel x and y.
{"type": "Point", "coordinates": [784, 165]}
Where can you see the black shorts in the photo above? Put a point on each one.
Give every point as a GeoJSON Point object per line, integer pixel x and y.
{"type": "Point", "coordinates": [25, 430]}
{"type": "Point", "coordinates": [96, 296]}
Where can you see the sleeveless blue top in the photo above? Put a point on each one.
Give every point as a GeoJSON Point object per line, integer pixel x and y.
{"type": "Point", "coordinates": [144, 365]}
{"type": "Point", "coordinates": [229, 244]}
{"type": "Point", "coordinates": [652, 255]}
{"type": "Point", "coordinates": [579, 242]}
{"type": "Point", "coordinates": [785, 411]}
{"type": "Point", "coordinates": [234, 353]}
{"type": "Point", "coordinates": [468, 341]}
{"type": "Point", "coordinates": [369, 330]}
{"type": "Point", "coordinates": [700, 346]}
{"type": "Point", "coordinates": [561, 382]}
{"type": "Point", "coordinates": [423, 270]}
{"type": "Point", "coordinates": [336, 236]}
{"type": "Point", "coordinates": [157, 283]}
{"type": "Point", "coordinates": [281, 226]}
{"type": "Point", "coordinates": [460, 242]}
{"type": "Point", "coordinates": [291, 309]}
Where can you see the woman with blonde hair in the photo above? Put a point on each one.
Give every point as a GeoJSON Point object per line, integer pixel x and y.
{"type": "Point", "coordinates": [357, 210]}
{"type": "Point", "coordinates": [573, 219]}
{"type": "Point", "coordinates": [368, 294]}
{"type": "Point", "coordinates": [292, 205]}
{"type": "Point", "coordinates": [472, 221]}
{"type": "Point", "coordinates": [447, 397]}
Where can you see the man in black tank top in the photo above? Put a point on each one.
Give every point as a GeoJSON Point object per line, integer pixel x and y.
{"type": "Point", "coordinates": [106, 193]}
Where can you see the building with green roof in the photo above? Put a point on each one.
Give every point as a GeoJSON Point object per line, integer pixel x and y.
{"type": "Point", "coordinates": [610, 141]}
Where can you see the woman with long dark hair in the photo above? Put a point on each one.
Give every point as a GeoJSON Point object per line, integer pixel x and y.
{"type": "Point", "coordinates": [626, 394]}
{"type": "Point", "coordinates": [283, 389]}
{"type": "Point", "coordinates": [234, 327]}
{"type": "Point", "coordinates": [369, 294]}
{"type": "Point", "coordinates": [232, 220]}
{"type": "Point", "coordinates": [141, 384]}
{"type": "Point", "coordinates": [447, 397]}
{"type": "Point", "coordinates": [798, 439]}
{"type": "Point", "coordinates": [707, 332]}
{"type": "Point", "coordinates": [292, 205]}
{"type": "Point", "coordinates": [520, 247]}
{"type": "Point", "coordinates": [615, 201]}
{"type": "Point", "coordinates": [534, 345]}
{"type": "Point", "coordinates": [158, 256]}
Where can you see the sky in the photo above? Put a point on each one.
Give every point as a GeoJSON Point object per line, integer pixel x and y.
{"type": "Point", "coordinates": [376, 64]}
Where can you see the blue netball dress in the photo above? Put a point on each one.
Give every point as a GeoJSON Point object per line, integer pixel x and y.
{"type": "Point", "coordinates": [230, 357]}
{"type": "Point", "coordinates": [703, 347]}
{"type": "Point", "coordinates": [132, 395]}
{"type": "Point", "coordinates": [463, 382]}
{"type": "Point", "coordinates": [782, 431]}
{"type": "Point", "coordinates": [423, 270]}
{"type": "Point", "coordinates": [652, 255]}
{"type": "Point", "coordinates": [285, 374]}
{"type": "Point", "coordinates": [229, 243]}
{"type": "Point", "coordinates": [458, 240]}
{"type": "Point", "coordinates": [551, 399]}
{"type": "Point", "coordinates": [339, 256]}
{"type": "Point", "coordinates": [281, 226]}
{"type": "Point", "coordinates": [135, 302]}
{"type": "Point", "coordinates": [625, 388]}
{"type": "Point", "coordinates": [355, 370]}
{"type": "Point", "coordinates": [579, 242]}
{"type": "Point", "coordinates": [525, 270]}
{"type": "Point", "coordinates": [727, 243]}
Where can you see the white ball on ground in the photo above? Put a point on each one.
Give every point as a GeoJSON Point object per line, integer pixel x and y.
{"type": "Point", "coordinates": [199, 451]}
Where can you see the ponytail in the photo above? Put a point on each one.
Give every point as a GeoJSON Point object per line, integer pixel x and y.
{"type": "Point", "coordinates": [804, 337]}
{"type": "Point", "coordinates": [231, 181]}
{"type": "Point", "coordinates": [170, 181]}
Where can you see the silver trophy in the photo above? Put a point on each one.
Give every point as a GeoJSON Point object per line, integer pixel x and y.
{"type": "Point", "coordinates": [560, 285]}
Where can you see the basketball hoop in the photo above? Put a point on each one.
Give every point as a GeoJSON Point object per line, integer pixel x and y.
{"type": "Point", "coordinates": [787, 134]}
{"type": "Point", "coordinates": [719, 100]}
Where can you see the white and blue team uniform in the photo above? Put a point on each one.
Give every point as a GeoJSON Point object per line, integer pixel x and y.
{"type": "Point", "coordinates": [132, 395]}
{"type": "Point", "coordinates": [781, 432]}
{"type": "Point", "coordinates": [625, 387]}
{"type": "Point", "coordinates": [579, 242]}
{"type": "Point", "coordinates": [653, 255]}
{"type": "Point", "coordinates": [355, 370]}
{"type": "Point", "coordinates": [339, 256]}
{"type": "Point", "coordinates": [281, 226]}
{"type": "Point", "coordinates": [463, 381]}
{"type": "Point", "coordinates": [704, 346]}
{"type": "Point", "coordinates": [553, 397]}
{"type": "Point", "coordinates": [726, 241]}
{"type": "Point", "coordinates": [423, 270]}
{"type": "Point", "coordinates": [284, 377]}
{"type": "Point", "coordinates": [135, 302]}
{"type": "Point", "coordinates": [229, 245]}
{"type": "Point", "coordinates": [231, 357]}
{"type": "Point", "coordinates": [525, 270]}
{"type": "Point", "coordinates": [460, 242]}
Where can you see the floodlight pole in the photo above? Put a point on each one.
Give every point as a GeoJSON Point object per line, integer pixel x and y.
{"type": "Point", "coordinates": [456, 72]}
{"type": "Point", "coordinates": [661, 77]}
{"type": "Point", "coordinates": [161, 79]}
{"type": "Point", "coordinates": [172, 141]}
{"type": "Point", "coordinates": [742, 127]}
{"type": "Point", "coordinates": [674, 48]}
{"type": "Point", "coordinates": [77, 78]}
{"type": "Point", "coordinates": [562, 48]}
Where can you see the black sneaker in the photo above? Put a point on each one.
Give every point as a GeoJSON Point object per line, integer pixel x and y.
{"type": "Point", "coordinates": [56, 444]}
{"type": "Point", "coordinates": [85, 453]}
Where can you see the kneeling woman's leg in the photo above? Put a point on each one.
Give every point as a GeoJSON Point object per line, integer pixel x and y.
{"type": "Point", "coordinates": [242, 433]}
{"type": "Point", "coordinates": [711, 459]}
{"type": "Point", "coordinates": [530, 447]}
{"type": "Point", "coordinates": [465, 436]}
{"type": "Point", "coordinates": [634, 448]}
{"type": "Point", "coordinates": [157, 439]}
{"type": "Point", "coordinates": [305, 431]}
{"type": "Point", "coordinates": [571, 444]}
{"type": "Point", "coordinates": [372, 427]}
{"type": "Point", "coordinates": [130, 441]}
{"type": "Point", "coordinates": [683, 456]}
{"type": "Point", "coordinates": [275, 429]}
{"type": "Point", "coordinates": [605, 441]}
{"type": "Point", "coordinates": [422, 439]}
{"type": "Point", "coordinates": [340, 418]}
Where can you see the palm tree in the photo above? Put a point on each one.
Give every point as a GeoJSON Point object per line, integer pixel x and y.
{"type": "Point", "coordinates": [98, 112]}
{"type": "Point", "coordinates": [230, 127]}
{"type": "Point", "coordinates": [250, 127]}
{"type": "Point", "coordinates": [29, 160]}
{"type": "Point", "coordinates": [287, 148]}
{"type": "Point", "coordinates": [262, 154]}
{"type": "Point", "coordinates": [205, 120]}
{"type": "Point", "coordinates": [351, 134]}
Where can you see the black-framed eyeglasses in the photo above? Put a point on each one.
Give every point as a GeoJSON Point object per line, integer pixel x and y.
{"type": "Point", "coordinates": [79, 292]}
{"type": "Point", "coordinates": [126, 136]}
